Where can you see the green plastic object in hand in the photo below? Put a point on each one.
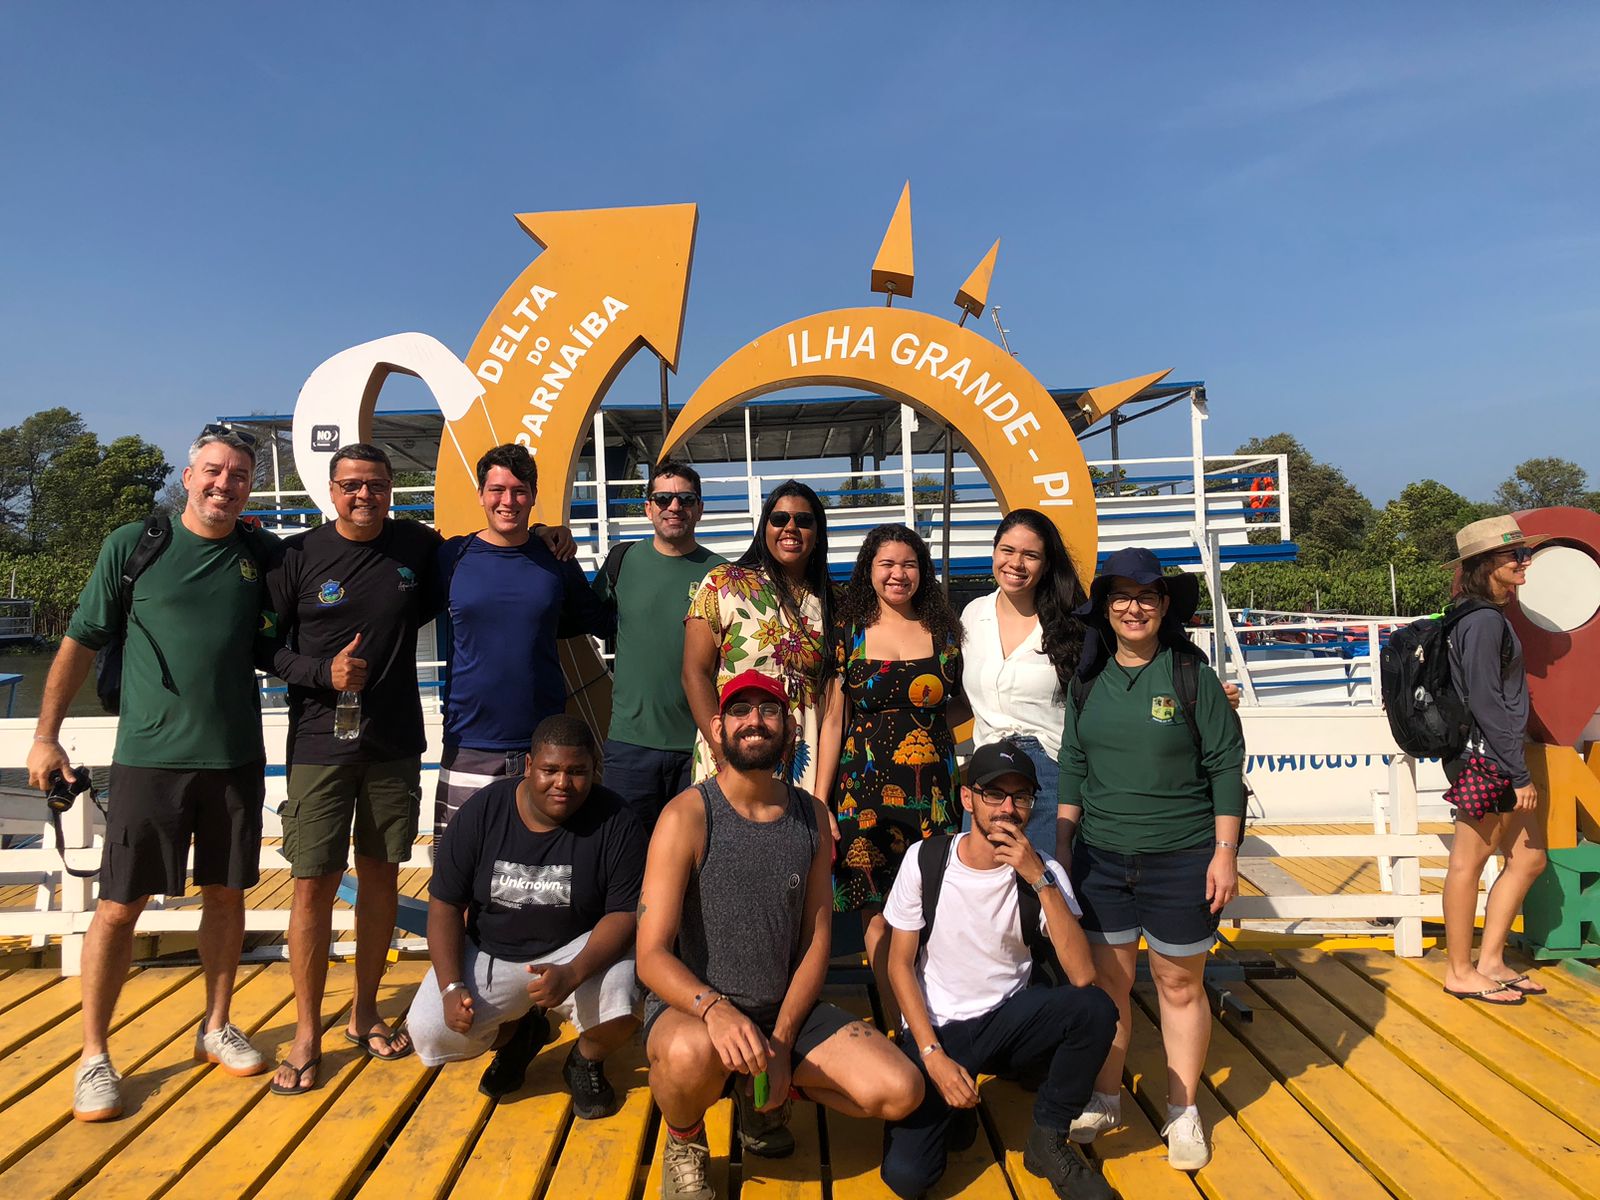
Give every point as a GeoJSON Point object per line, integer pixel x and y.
{"type": "Point", "coordinates": [762, 1086]}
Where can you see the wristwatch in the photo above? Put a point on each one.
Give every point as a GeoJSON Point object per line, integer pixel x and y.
{"type": "Point", "coordinates": [1043, 882]}
{"type": "Point", "coordinates": [931, 1048]}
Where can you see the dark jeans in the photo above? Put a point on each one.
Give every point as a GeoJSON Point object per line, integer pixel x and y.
{"type": "Point", "coordinates": [1065, 1030]}
{"type": "Point", "coordinates": [646, 779]}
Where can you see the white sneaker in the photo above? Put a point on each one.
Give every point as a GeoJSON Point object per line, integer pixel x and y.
{"type": "Point", "coordinates": [229, 1049]}
{"type": "Point", "coordinates": [1186, 1141]}
{"type": "Point", "coordinates": [97, 1090]}
{"type": "Point", "coordinates": [1102, 1114]}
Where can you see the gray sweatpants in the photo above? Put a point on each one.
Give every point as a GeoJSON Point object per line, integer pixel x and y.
{"type": "Point", "coordinates": [499, 989]}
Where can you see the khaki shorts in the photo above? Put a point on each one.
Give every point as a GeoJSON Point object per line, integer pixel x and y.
{"type": "Point", "coordinates": [380, 801]}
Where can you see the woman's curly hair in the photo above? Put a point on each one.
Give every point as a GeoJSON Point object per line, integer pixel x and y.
{"type": "Point", "coordinates": [858, 608]}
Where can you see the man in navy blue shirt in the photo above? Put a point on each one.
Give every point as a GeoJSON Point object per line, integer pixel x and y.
{"type": "Point", "coordinates": [509, 602]}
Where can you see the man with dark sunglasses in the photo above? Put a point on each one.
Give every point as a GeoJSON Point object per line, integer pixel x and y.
{"type": "Point", "coordinates": [649, 754]}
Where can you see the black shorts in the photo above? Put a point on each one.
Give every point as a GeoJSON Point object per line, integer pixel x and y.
{"type": "Point", "coordinates": [154, 812]}
{"type": "Point", "coordinates": [821, 1023]}
{"type": "Point", "coordinates": [1162, 896]}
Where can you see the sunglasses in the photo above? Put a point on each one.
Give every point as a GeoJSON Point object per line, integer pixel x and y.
{"type": "Point", "coordinates": [352, 487]}
{"type": "Point", "coordinates": [665, 499]}
{"type": "Point", "coordinates": [217, 432]}
{"type": "Point", "coordinates": [804, 520]}
{"type": "Point", "coordinates": [1521, 555]}
{"type": "Point", "coordinates": [770, 710]}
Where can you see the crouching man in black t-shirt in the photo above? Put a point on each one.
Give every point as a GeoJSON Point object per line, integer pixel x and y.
{"type": "Point", "coordinates": [534, 889]}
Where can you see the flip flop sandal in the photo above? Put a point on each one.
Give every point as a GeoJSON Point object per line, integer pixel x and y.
{"type": "Point", "coordinates": [1516, 983]}
{"type": "Point", "coordinates": [388, 1039]}
{"type": "Point", "coordinates": [300, 1089]}
{"type": "Point", "coordinates": [1483, 996]}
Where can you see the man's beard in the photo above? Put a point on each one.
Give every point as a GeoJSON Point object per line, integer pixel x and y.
{"type": "Point", "coordinates": [752, 754]}
{"type": "Point", "coordinates": [991, 822]}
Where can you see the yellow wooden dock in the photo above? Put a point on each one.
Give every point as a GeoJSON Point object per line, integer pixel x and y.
{"type": "Point", "coordinates": [1360, 1078]}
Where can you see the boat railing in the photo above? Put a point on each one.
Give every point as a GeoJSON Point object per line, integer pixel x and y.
{"type": "Point", "coordinates": [64, 904]}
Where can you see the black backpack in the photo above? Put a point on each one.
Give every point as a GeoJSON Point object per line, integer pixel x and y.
{"type": "Point", "coordinates": [153, 541]}
{"type": "Point", "coordinates": [611, 568]}
{"type": "Point", "coordinates": [933, 856]}
{"type": "Point", "coordinates": [1427, 715]}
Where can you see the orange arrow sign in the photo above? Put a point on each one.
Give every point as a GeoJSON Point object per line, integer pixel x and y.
{"type": "Point", "coordinates": [609, 281]}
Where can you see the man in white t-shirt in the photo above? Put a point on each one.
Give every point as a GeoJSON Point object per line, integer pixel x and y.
{"type": "Point", "coordinates": [981, 987]}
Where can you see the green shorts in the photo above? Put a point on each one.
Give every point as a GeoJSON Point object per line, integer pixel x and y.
{"type": "Point", "coordinates": [381, 801]}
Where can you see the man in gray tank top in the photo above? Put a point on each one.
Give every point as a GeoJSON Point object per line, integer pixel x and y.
{"type": "Point", "coordinates": [734, 923]}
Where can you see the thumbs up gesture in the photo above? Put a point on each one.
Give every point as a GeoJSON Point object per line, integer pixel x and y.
{"type": "Point", "coordinates": [349, 672]}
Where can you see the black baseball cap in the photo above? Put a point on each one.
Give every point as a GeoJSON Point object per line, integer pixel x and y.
{"type": "Point", "coordinates": [1004, 757]}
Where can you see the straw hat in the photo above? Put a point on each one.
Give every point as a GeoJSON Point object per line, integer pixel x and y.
{"type": "Point", "coordinates": [1492, 533]}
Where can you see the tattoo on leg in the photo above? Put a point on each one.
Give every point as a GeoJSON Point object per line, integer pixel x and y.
{"type": "Point", "coordinates": [640, 913]}
{"type": "Point", "coordinates": [857, 1029]}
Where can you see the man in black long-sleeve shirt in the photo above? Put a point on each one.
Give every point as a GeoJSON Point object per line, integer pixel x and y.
{"type": "Point", "coordinates": [350, 596]}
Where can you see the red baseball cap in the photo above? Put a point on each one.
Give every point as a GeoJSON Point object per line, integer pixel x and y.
{"type": "Point", "coordinates": [752, 680]}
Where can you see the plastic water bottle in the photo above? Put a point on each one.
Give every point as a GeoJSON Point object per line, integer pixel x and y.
{"type": "Point", "coordinates": [347, 717]}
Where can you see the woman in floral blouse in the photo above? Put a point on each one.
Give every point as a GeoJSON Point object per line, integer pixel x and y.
{"type": "Point", "coordinates": [770, 611]}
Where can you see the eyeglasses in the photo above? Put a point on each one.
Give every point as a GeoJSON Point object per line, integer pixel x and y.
{"type": "Point", "coordinates": [213, 433]}
{"type": "Point", "coordinates": [1520, 555]}
{"type": "Point", "coordinates": [665, 499]}
{"type": "Point", "coordinates": [802, 520]}
{"type": "Point", "coordinates": [770, 710]}
{"type": "Point", "coordinates": [1121, 601]}
{"type": "Point", "coordinates": [994, 797]}
{"type": "Point", "coordinates": [352, 487]}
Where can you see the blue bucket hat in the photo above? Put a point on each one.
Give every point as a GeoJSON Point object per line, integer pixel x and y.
{"type": "Point", "coordinates": [1143, 567]}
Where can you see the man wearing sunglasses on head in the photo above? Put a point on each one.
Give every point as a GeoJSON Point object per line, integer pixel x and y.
{"type": "Point", "coordinates": [1001, 983]}
{"type": "Point", "coordinates": [183, 599]}
{"type": "Point", "coordinates": [649, 754]}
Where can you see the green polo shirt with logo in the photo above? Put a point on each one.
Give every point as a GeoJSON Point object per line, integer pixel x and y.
{"type": "Point", "coordinates": [1129, 760]}
{"type": "Point", "coordinates": [201, 603]}
{"type": "Point", "coordinates": [648, 707]}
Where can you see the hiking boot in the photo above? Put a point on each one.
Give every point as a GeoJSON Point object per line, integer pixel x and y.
{"type": "Point", "coordinates": [763, 1133]}
{"type": "Point", "coordinates": [509, 1068]}
{"type": "Point", "coordinates": [229, 1049]}
{"type": "Point", "coordinates": [1050, 1156]}
{"type": "Point", "coordinates": [1186, 1141]}
{"type": "Point", "coordinates": [592, 1094]}
{"type": "Point", "coordinates": [1101, 1115]}
{"type": "Point", "coordinates": [686, 1169]}
{"type": "Point", "coordinates": [97, 1090]}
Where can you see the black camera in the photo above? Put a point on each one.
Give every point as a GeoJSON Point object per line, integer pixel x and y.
{"type": "Point", "coordinates": [65, 787]}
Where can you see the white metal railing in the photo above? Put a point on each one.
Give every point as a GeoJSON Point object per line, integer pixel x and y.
{"type": "Point", "coordinates": [1349, 731]}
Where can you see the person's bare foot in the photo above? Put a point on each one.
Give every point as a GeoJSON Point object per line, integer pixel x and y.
{"type": "Point", "coordinates": [1479, 986]}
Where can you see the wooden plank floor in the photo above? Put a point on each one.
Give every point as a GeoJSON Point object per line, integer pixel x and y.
{"type": "Point", "coordinates": [1358, 1080]}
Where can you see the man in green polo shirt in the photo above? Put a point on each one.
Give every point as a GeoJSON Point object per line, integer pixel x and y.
{"type": "Point", "coordinates": [649, 753]}
{"type": "Point", "coordinates": [189, 758]}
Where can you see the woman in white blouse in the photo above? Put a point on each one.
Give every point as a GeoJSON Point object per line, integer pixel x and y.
{"type": "Point", "coordinates": [1021, 648]}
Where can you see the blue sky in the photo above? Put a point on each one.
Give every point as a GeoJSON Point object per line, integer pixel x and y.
{"type": "Point", "coordinates": [1371, 225]}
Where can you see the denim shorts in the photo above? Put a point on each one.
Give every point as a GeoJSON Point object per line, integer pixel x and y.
{"type": "Point", "coordinates": [1162, 896]}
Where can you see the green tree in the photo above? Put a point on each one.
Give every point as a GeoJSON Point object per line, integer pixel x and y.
{"type": "Point", "coordinates": [89, 489]}
{"type": "Point", "coordinates": [1546, 483]}
{"type": "Point", "coordinates": [1327, 513]}
{"type": "Point", "coordinates": [26, 453]}
{"type": "Point", "coordinates": [1420, 524]}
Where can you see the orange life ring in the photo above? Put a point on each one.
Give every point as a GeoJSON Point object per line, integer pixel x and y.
{"type": "Point", "coordinates": [1260, 492]}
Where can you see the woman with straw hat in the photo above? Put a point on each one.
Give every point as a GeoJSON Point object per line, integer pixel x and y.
{"type": "Point", "coordinates": [1490, 788]}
